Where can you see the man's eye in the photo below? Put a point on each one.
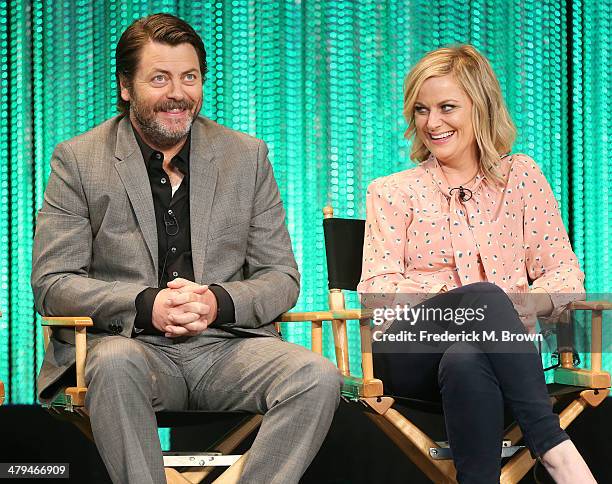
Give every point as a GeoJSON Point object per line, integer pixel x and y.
{"type": "Point", "coordinates": [190, 77]}
{"type": "Point", "coordinates": [159, 78]}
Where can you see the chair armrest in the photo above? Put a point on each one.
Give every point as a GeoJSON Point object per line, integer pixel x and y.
{"type": "Point", "coordinates": [350, 314]}
{"type": "Point", "coordinates": [319, 316]}
{"type": "Point", "coordinates": [308, 316]}
{"type": "Point", "coordinates": [316, 319]}
{"type": "Point", "coordinates": [80, 325]}
{"type": "Point", "coordinates": [63, 321]}
{"type": "Point", "coordinates": [592, 305]}
{"type": "Point", "coordinates": [367, 385]}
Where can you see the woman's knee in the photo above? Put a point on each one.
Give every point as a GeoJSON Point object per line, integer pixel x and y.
{"type": "Point", "coordinates": [487, 296]}
{"type": "Point", "coordinates": [483, 287]}
{"type": "Point", "coordinates": [462, 363]}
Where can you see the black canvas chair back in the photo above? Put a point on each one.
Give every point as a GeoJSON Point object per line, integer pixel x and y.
{"type": "Point", "coordinates": [344, 251]}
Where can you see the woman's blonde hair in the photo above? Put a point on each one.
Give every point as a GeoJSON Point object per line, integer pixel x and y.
{"type": "Point", "coordinates": [493, 128]}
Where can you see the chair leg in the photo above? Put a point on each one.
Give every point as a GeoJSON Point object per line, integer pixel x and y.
{"type": "Point", "coordinates": [233, 473]}
{"type": "Point", "coordinates": [415, 444]}
{"type": "Point", "coordinates": [229, 443]}
{"type": "Point", "coordinates": [587, 398]}
{"type": "Point", "coordinates": [517, 467]}
{"type": "Point", "coordinates": [174, 477]}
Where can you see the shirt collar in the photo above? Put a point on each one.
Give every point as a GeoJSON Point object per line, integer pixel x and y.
{"type": "Point", "coordinates": [180, 160]}
{"type": "Point", "coordinates": [433, 169]}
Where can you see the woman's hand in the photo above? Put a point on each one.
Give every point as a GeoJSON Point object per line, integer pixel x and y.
{"type": "Point", "coordinates": [541, 300]}
{"type": "Point", "coordinates": [531, 304]}
{"type": "Point", "coordinates": [525, 307]}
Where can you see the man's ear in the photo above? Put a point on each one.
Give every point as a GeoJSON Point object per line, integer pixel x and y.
{"type": "Point", "coordinates": [125, 92]}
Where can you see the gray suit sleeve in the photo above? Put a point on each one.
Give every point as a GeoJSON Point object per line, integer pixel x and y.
{"type": "Point", "coordinates": [272, 281]}
{"type": "Point", "coordinates": [62, 256]}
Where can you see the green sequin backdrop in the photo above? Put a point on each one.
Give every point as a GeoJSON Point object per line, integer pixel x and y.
{"type": "Point", "coordinates": [320, 82]}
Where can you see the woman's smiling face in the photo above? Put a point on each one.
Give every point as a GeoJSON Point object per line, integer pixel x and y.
{"type": "Point", "coordinates": [443, 119]}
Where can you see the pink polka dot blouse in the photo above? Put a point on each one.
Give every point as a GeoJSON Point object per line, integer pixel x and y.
{"type": "Point", "coordinates": [419, 239]}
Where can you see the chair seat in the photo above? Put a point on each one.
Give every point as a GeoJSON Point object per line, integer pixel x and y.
{"type": "Point", "coordinates": [421, 405]}
{"type": "Point", "coordinates": [558, 389]}
{"type": "Point", "coordinates": [170, 418]}
{"type": "Point", "coordinates": [554, 390]}
{"type": "Point", "coordinates": [167, 418]}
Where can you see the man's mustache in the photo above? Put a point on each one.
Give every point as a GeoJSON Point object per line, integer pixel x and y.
{"type": "Point", "coordinates": [169, 105]}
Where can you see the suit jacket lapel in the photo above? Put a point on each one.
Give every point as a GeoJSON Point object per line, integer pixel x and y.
{"type": "Point", "coordinates": [202, 182]}
{"type": "Point", "coordinates": [133, 174]}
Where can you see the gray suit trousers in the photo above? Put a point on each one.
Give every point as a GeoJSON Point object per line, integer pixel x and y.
{"type": "Point", "coordinates": [129, 379]}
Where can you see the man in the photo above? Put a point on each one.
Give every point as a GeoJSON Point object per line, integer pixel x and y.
{"type": "Point", "coordinates": [168, 230]}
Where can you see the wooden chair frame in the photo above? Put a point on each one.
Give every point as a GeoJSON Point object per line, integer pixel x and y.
{"type": "Point", "coordinates": [71, 404]}
{"type": "Point", "coordinates": [593, 383]}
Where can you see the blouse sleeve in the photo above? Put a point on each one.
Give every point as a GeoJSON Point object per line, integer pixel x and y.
{"type": "Point", "coordinates": [388, 215]}
{"type": "Point", "coordinates": [550, 261]}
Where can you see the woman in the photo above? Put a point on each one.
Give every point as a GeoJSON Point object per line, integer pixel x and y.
{"type": "Point", "coordinates": [469, 225]}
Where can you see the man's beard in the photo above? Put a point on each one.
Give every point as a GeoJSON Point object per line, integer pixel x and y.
{"type": "Point", "coordinates": [157, 132]}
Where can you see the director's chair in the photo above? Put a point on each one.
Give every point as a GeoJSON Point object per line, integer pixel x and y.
{"type": "Point", "coordinates": [573, 388]}
{"type": "Point", "coordinates": [180, 468]}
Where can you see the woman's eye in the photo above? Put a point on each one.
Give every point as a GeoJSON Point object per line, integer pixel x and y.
{"type": "Point", "coordinates": [420, 109]}
{"type": "Point", "coordinates": [447, 107]}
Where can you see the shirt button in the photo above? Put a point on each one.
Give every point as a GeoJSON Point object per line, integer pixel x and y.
{"type": "Point", "coordinates": [163, 180]}
{"type": "Point", "coordinates": [158, 156]}
{"type": "Point", "coordinates": [175, 274]}
{"type": "Point", "coordinates": [170, 212]}
{"type": "Point", "coordinates": [173, 250]}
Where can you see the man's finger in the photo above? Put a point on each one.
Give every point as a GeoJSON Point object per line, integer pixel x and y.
{"type": "Point", "coordinates": [178, 283]}
{"type": "Point", "coordinates": [184, 318]}
{"type": "Point", "coordinates": [190, 287]}
{"type": "Point", "coordinates": [201, 309]}
{"type": "Point", "coordinates": [182, 298]}
{"type": "Point", "coordinates": [197, 326]}
{"type": "Point", "coordinates": [175, 331]}
{"type": "Point", "coordinates": [191, 329]}
{"type": "Point", "coordinates": [195, 288]}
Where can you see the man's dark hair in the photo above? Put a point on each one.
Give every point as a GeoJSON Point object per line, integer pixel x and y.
{"type": "Point", "coordinates": [160, 27]}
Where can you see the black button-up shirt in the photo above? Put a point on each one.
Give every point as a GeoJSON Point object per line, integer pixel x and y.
{"type": "Point", "coordinates": [171, 213]}
{"type": "Point", "coordinates": [173, 234]}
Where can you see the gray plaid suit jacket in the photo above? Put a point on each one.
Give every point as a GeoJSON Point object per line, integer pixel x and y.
{"type": "Point", "coordinates": [95, 246]}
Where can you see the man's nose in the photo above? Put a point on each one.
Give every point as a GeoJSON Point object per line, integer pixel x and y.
{"type": "Point", "coordinates": [175, 91]}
